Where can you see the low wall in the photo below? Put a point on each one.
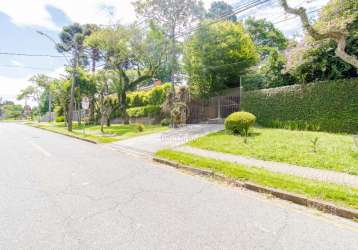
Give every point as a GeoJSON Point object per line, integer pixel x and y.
{"type": "Point", "coordinates": [141, 120]}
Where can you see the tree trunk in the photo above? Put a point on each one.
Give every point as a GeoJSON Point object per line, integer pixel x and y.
{"type": "Point", "coordinates": [173, 59]}
{"type": "Point", "coordinates": [72, 96]}
{"type": "Point", "coordinates": [338, 36]}
{"type": "Point", "coordinates": [102, 127]}
{"type": "Point", "coordinates": [78, 111]}
{"type": "Point", "coordinates": [94, 56]}
{"type": "Point", "coordinates": [123, 105]}
{"type": "Point", "coordinates": [91, 115]}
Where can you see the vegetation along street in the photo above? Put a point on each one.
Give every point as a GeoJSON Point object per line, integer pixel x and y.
{"type": "Point", "coordinates": [179, 124]}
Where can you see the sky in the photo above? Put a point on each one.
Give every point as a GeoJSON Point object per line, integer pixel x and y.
{"type": "Point", "coordinates": [20, 19]}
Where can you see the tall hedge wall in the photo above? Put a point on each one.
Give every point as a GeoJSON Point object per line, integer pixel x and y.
{"type": "Point", "coordinates": [325, 106]}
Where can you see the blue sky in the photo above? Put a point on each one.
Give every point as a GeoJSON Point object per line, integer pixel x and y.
{"type": "Point", "coordinates": [20, 19]}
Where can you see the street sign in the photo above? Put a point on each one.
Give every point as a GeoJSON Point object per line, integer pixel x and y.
{"type": "Point", "coordinates": [85, 103]}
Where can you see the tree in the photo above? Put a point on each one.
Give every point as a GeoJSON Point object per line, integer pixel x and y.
{"type": "Point", "coordinates": [92, 51]}
{"type": "Point", "coordinates": [33, 92]}
{"type": "Point", "coordinates": [216, 55]}
{"type": "Point", "coordinates": [338, 14]}
{"type": "Point", "coordinates": [72, 41]}
{"type": "Point", "coordinates": [128, 62]}
{"type": "Point", "coordinates": [173, 16]}
{"type": "Point", "coordinates": [265, 36]}
{"type": "Point", "coordinates": [270, 43]}
{"type": "Point", "coordinates": [219, 9]}
{"type": "Point", "coordinates": [45, 84]}
{"type": "Point", "coordinates": [317, 61]}
{"type": "Point", "coordinates": [155, 47]}
{"type": "Point", "coordinates": [104, 99]}
{"type": "Point", "coordinates": [61, 89]}
{"type": "Point", "coordinates": [11, 110]}
{"type": "Point", "coordinates": [273, 70]}
{"type": "Point", "coordinates": [320, 63]}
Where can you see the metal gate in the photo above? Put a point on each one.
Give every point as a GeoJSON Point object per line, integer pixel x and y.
{"type": "Point", "coordinates": [218, 107]}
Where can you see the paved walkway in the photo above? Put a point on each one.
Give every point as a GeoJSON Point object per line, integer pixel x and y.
{"type": "Point", "coordinates": [149, 144]}
{"type": "Point", "coordinates": [310, 173]}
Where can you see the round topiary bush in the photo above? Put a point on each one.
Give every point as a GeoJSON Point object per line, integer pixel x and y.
{"type": "Point", "coordinates": [240, 122]}
{"type": "Point", "coordinates": [60, 119]}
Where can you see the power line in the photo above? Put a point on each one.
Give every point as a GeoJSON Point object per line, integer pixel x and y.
{"type": "Point", "coordinates": [240, 9]}
{"type": "Point", "coordinates": [29, 55]}
{"type": "Point", "coordinates": [294, 17]}
{"type": "Point", "coordinates": [25, 67]}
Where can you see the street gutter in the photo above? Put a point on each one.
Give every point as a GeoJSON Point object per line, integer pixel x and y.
{"type": "Point", "coordinates": [72, 136]}
{"type": "Point", "coordinates": [329, 208]}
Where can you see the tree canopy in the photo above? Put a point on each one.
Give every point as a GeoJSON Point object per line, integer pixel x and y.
{"type": "Point", "coordinates": [173, 16]}
{"type": "Point", "coordinates": [219, 9]}
{"type": "Point", "coordinates": [265, 35]}
{"type": "Point", "coordinates": [216, 55]}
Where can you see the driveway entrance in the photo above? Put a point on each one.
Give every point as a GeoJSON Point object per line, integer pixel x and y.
{"type": "Point", "coordinates": [149, 144]}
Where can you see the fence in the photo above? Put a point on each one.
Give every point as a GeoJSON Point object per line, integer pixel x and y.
{"type": "Point", "coordinates": [215, 108]}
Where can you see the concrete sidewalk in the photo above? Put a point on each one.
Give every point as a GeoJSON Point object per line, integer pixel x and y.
{"type": "Point", "coordinates": [284, 168]}
{"type": "Point", "coordinates": [149, 144]}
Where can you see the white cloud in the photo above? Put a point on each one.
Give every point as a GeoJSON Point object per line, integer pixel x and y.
{"type": "Point", "coordinates": [35, 13]}
{"type": "Point", "coordinates": [94, 11]}
{"type": "Point", "coordinates": [16, 63]}
{"type": "Point", "coordinates": [10, 87]}
{"type": "Point", "coordinates": [28, 13]}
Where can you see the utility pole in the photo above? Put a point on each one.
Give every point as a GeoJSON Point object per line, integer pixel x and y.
{"type": "Point", "coordinates": [74, 75]}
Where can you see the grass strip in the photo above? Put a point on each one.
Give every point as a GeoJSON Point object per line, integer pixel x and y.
{"type": "Point", "coordinates": [338, 194]}
{"type": "Point", "coordinates": [92, 133]}
{"type": "Point", "coordinates": [335, 152]}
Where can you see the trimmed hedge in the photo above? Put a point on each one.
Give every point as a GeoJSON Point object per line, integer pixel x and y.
{"type": "Point", "coordinates": [325, 106]}
{"type": "Point", "coordinates": [152, 111]}
{"type": "Point", "coordinates": [155, 96]}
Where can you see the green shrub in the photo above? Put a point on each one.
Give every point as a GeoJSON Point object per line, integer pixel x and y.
{"type": "Point", "coordinates": [240, 122]}
{"type": "Point", "coordinates": [165, 122]}
{"type": "Point", "coordinates": [155, 96]}
{"type": "Point", "coordinates": [140, 127]}
{"type": "Point", "coordinates": [60, 119]}
{"type": "Point", "coordinates": [58, 110]}
{"type": "Point", "coordinates": [325, 106]}
{"type": "Point", "coordinates": [151, 111]}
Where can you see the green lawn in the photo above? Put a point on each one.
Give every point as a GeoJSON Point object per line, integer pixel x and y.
{"type": "Point", "coordinates": [113, 133]}
{"type": "Point", "coordinates": [334, 151]}
{"type": "Point", "coordinates": [338, 194]}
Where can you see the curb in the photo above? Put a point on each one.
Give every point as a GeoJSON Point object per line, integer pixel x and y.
{"type": "Point", "coordinates": [78, 138]}
{"type": "Point", "coordinates": [297, 199]}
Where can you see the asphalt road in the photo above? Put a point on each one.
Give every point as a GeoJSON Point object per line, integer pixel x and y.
{"type": "Point", "coordinates": [60, 193]}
